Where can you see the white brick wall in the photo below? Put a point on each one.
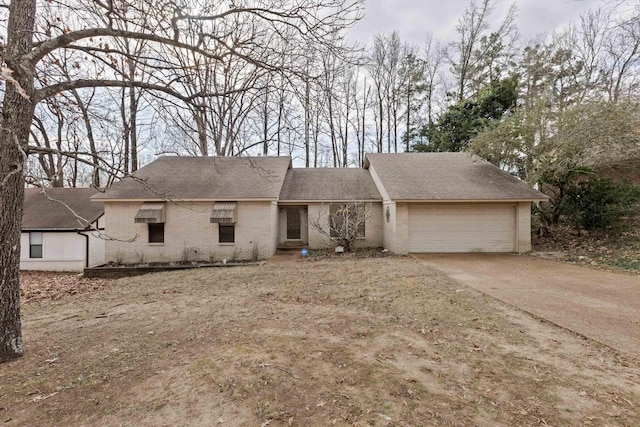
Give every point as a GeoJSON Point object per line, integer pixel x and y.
{"type": "Point", "coordinates": [188, 226]}
{"type": "Point", "coordinates": [389, 227]}
{"type": "Point", "coordinates": [402, 229]}
{"type": "Point", "coordinates": [524, 226]}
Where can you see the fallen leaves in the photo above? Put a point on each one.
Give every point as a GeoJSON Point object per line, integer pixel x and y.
{"type": "Point", "coordinates": [618, 251]}
{"type": "Point", "coordinates": [47, 285]}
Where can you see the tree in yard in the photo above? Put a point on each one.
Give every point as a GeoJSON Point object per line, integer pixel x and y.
{"type": "Point", "coordinates": [556, 150]}
{"type": "Point", "coordinates": [71, 27]}
{"type": "Point", "coordinates": [412, 76]}
{"type": "Point", "coordinates": [384, 62]}
{"type": "Point", "coordinates": [342, 223]}
{"type": "Point", "coordinates": [476, 58]}
{"type": "Point", "coordinates": [462, 121]}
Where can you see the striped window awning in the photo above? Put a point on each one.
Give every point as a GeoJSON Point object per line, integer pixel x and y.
{"type": "Point", "coordinates": [151, 213]}
{"type": "Point", "coordinates": [224, 213]}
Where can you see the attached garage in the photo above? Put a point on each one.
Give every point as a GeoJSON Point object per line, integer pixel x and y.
{"type": "Point", "coordinates": [451, 202]}
{"type": "Point", "coordinates": [463, 227]}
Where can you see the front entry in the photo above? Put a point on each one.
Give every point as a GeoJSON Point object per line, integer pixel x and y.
{"type": "Point", "coordinates": [293, 223]}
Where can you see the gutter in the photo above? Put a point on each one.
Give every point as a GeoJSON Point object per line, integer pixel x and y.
{"type": "Point", "coordinates": [86, 248]}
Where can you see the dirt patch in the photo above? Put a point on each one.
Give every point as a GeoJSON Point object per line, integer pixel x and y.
{"type": "Point", "coordinates": [356, 342]}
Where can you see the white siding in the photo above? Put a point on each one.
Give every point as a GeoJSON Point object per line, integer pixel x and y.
{"type": "Point", "coordinates": [464, 227]}
{"type": "Point", "coordinates": [96, 249]}
{"type": "Point", "coordinates": [60, 252]}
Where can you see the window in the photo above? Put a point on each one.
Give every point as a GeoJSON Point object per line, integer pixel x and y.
{"type": "Point", "coordinates": [156, 232]}
{"type": "Point", "coordinates": [226, 233]}
{"type": "Point", "coordinates": [344, 217]}
{"type": "Point", "coordinates": [35, 244]}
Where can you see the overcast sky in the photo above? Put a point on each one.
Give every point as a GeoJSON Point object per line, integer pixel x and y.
{"type": "Point", "coordinates": [413, 19]}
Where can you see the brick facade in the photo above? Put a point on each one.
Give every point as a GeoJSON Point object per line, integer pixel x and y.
{"type": "Point", "coordinates": [188, 234]}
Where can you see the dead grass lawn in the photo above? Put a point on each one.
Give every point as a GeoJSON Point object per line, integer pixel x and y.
{"type": "Point", "coordinates": [358, 342]}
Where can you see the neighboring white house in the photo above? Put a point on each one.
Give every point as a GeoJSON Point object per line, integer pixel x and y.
{"type": "Point", "coordinates": [210, 208]}
{"type": "Point", "coordinates": [60, 230]}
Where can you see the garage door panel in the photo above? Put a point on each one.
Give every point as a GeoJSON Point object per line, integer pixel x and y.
{"type": "Point", "coordinates": [462, 228]}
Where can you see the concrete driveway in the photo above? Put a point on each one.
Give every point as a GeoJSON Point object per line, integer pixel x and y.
{"type": "Point", "coordinates": [598, 304]}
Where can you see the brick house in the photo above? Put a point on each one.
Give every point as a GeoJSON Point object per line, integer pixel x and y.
{"type": "Point", "coordinates": [211, 208]}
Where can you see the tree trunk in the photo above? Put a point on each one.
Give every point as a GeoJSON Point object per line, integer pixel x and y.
{"type": "Point", "coordinates": [346, 138]}
{"type": "Point", "coordinates": [14, 137]}
{"type": "Point", "coordinates": [133, 126]}
{"type": "Point", "coordinates": [380, 133]}
{"type": "Point", "coordinates": [265, 123]}
{"type": "Point", "coordinates": [408, 118]}
{"type": "Point", "coordinates": [126, 132]}
{"type": "Point", "coordinates": [332, 132]}
{"type": "Point", "coordinates": [95, 157]}
{"type": "Point", "coordinates": [280, 115]}
{"type": "Point", "coordinates": [307, 118]}
{"type": "Point", "coordinates": [200, 117]}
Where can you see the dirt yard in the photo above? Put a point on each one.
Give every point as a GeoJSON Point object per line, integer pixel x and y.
{"type": "Point", "coordinates": [357, 342]}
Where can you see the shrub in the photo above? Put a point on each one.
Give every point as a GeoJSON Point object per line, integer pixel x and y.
{"type": "Point", "coordinates": [599, 203]}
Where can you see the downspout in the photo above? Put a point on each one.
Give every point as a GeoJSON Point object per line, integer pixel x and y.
{"type": "Point", "coordinates": [86, 248]}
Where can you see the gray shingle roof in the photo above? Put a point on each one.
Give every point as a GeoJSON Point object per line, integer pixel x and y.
{"type": "Point", "coordinates": [328, 184]}
{"type": "Point", "coordinates": [44, 211]}
{"type": "Point", "coordinates": [214, 178]}
{"type": "Point", "coordinates": [447, 176]}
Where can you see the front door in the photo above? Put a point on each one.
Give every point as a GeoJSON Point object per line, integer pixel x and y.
{"type": "Point", "coordinates": [293, 223]}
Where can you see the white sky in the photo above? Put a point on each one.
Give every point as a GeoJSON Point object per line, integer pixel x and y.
{"type": "Point", "coordinates": [414, 19]}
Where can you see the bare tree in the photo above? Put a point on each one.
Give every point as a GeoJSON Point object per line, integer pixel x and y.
{"type": "Point", "coordinates": [163, 28]}
{"type": "Point", "coordinates": [361, 96]}
{"type": "Point", "coordinates": [622, 50]}
{"type": "Point", "coordinates": [475, 51]}
{"type": "Point", "coordinates": [433, 57]}
{"type": "Point", "coordinates": [376, 66]}
{"type": "Point", "coordinates": [342, 223]}
{"type": "Point", "coordinates": [384, 63]}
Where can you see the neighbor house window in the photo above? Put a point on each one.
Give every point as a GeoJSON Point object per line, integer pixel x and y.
{"type": "Point", "coordinates": [156, 232]}
{"type": "Point", "coordinates": [226, 233]}
{"type": "Point", "coordinates": [35, 244]}
{"type": "Point", "coordinates": [344, 217]}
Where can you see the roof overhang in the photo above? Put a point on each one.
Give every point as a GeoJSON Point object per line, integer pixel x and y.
{"type": "Point", "coordinates": [224, 213]}
{"type": "Point", "coordinates": [305, 202]}
{"type": "Point", "coordinates": [178, 201]}
{"type": "Point", "coordinates": [151, 213]}
{"type": "Point", "coordinates": [468, 200]}
{"type": "Point", "coordinates": [52, 230]}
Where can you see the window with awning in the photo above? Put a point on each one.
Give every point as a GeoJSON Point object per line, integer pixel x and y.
{"type": "Point", "coordinates": [151, 213]}
{"type": "Point", "coordinates": [224, 213]}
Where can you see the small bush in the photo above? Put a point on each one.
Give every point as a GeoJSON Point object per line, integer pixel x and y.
{"type": "Point", "coordinates": [599, 203]}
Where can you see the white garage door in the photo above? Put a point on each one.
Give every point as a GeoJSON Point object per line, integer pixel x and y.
{"type": "Point", "coordinates": [462, 228]}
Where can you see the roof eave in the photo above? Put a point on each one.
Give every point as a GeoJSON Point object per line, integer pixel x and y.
{"type": "Point", "coordinates": [207, 199]}
{"type": "Point", "coordinates": [469, 200]}
{"type": "Point", "coordinates": [303, 201]}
